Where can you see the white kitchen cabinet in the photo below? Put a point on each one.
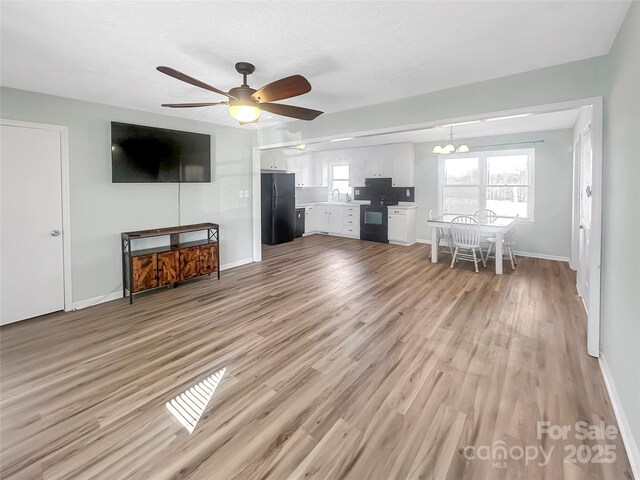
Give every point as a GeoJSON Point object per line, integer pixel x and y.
{"type": "Point", "coordinates": [402, 225]}
{"type": "Point", "coordinates": [307, 171]}
{"type": "Point", "coordinates": [273, 160]}
{"type": "Point", "coordinates": [293, 166]}
{"type": "Point", "coordinates": [310, 220]}
{"type": "Point", "coordinates": [403, 165]}
{"type": "Point", "coordinates": [303, 168]}
{"type": "Point", "coordinates": [322, 219]}
{"type": "Point", "coordinates": [335, 220]}
{"type": "Point", "coordinates": [356, 170]}
{"type": "Point", "coordinates": [378, 163]}
{"type": "Point", "coordinates": [351, 221]}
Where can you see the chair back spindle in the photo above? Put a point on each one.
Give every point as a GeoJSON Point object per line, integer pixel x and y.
{"type": "Point", "coordinates": [465, 232]}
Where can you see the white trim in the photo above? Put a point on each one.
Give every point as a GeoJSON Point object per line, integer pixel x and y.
{"type": "Point", "coordinates": [629, 442]}
{"type": "Point", "coordinates": [593, 331]}
{"type": "Point", "coordinates": [575, 213]}
{"type": "Point", "coordinates": [422, 240]}
{"type": "Point", "coordinates": [90, 302]}
{"type": "Point", "coordinates": [237, 263]}
{"type": "Point", "coordinates": [595, 242]}
{"type": "Point", "coordinates": [257, 209]}
{"type": "Point", "coordinates": [543, 256]}
{"type": "Point", "coordinates": [65, 200]}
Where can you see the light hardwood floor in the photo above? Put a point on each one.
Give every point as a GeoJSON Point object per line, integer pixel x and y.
{"type": "Point", "coordinates": [345, 359]}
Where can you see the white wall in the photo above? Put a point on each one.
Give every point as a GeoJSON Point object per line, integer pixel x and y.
{"type": "Point", "coordinates": [100, 210]}
{"type": "Point", "coordinates": [621, 220]}
{"type": "Point", "coordinates": [550, 233]}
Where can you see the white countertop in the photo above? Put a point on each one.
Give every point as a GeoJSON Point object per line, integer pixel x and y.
{"type": "Point", "coordinates": [354, 203]}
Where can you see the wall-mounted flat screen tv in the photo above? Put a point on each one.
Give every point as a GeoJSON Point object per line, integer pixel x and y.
{"type": "Point", "coordinates": [142, 154]}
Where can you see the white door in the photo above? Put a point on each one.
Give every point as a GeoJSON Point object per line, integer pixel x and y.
{"type": "Point", "coordinates": [31, 249]}
{"type": "Point", "coordinates": [584, 219]}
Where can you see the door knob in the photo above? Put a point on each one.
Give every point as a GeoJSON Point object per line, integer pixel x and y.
{"type": "Point", "coordinates": [55, 233]}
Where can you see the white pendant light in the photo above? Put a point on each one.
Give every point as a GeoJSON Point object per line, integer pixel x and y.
{"type": "Point", "coordinates": [450, 147]}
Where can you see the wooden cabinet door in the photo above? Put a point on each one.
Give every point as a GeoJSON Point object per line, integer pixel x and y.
{"type": "Point", "coordinates": [168, 271]}
{"type": "Point", "coordinates": [208, 258]}
{"type": "Point", "coordinates": [189, 258]}
{"type": "Point", "coordinates": [145, 272]}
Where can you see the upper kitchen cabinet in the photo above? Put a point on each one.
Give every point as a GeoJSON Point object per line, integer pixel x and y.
{"type": "Point", "coordinates": [273, 160]}
{"type": "Point", "coordinates": [356, 169]}
{"type": "Point", "coordinates": [303, 168]}
{"type": "Point", "coordinates": [403, 165]}
{"type": "Point", "coordinates": [378, 162]}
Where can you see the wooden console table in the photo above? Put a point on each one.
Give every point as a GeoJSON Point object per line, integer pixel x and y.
{"type": "Point", "coordinates": [170, 264]}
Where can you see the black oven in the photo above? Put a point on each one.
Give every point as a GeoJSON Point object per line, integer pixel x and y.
{"type": "Point", "coordinates": [374, 223]}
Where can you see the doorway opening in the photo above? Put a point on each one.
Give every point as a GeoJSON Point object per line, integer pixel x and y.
{"type": "Point", "coordinates": [591, 249]}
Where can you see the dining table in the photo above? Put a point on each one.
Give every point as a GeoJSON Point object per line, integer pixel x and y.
{"type": "Point", "coordinates": [496, 228]}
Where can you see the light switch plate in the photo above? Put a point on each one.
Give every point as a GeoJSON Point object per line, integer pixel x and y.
{"type": "Point", "coordinates": [241, 193]}
{"type": "Point", "coordinates": [246, 194]}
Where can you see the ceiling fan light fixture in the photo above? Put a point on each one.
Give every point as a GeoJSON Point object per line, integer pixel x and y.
{"type": "Point", "coordinates": [244, 113]}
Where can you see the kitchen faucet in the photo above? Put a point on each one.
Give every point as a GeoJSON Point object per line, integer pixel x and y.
{"type": "Point", "coordinates": [335, 190]}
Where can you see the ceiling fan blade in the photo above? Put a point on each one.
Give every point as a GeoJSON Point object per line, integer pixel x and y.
{"type": "Point", "coordinates": [190, 105]}
{"type": "Point", "coordinates": [193, 81]}
{"type": "Point", "coordinates": [290, 111]}
{"type": "Point", "coordinates": [284, 88]}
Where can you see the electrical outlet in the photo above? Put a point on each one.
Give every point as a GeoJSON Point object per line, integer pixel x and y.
{"type": "Point", "coordinates": [246, 194]}
{"type": "Point", "coordinates": [241, 193]}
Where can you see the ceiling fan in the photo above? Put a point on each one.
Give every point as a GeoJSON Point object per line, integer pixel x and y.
{"type": "Point", "coordinates": [246, 103]}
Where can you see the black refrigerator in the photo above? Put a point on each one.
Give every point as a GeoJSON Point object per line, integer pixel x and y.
{"type": "Point", "coordinates": [278, 208]}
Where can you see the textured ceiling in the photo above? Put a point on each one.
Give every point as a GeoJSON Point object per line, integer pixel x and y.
{"type": "Point", "coordinates": [353, 53]}
{"type": "Point", "coordinates": [463, 132]}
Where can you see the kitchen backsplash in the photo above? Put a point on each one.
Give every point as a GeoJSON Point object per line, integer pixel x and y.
{"type": "Point", "coordinates": [404, 194]}
{"type": "Point", "coordinates": [311, 194]}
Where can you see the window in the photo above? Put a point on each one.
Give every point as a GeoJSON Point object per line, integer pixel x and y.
{"type": "Point", "coordinates": [340, 178]}
{"type": "Point", "coordinates": [501, 181]}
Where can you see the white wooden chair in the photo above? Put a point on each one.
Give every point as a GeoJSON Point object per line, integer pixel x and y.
{"type": "Point", "coordinates": [443, 233]}
{"type": "Point", "coordinates": [485, 216]}
{"type": "Point", "coordinates": [508, 243]}
{"type": "Point", "coordinates": [466, 238]}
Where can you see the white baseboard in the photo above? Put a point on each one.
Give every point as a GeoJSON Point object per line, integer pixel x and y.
{"type": "Point", "coordinates": [543, 256]}
{"type": "Point", "coordinates": [237, 263]}
{"type": "Point", "coordinates": [89, 302]}
{"type": "Point", "coordinates": [630, 444]}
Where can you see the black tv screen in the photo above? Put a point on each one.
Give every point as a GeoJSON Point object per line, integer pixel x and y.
{"type": "Point", "coordinates": [142, 154]}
